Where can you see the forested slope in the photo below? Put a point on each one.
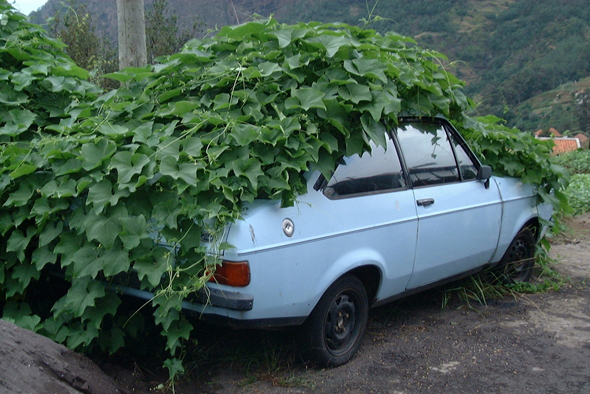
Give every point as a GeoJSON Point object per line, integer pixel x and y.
{"type": "Point", "coordinates": [507, 50]}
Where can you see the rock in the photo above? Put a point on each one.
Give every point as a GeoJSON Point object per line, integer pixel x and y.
{"type": "Point", "coordinates": [31, 363]}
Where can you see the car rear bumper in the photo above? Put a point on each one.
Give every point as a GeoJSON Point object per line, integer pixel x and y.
{"type": "Point", "coordinates": [206, 296]}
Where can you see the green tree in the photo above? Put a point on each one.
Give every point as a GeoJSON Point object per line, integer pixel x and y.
{"type": "Point", "coordinates": [164, 36]}
{"type": "Point", "coordinates": [77, 30]}
{"type": "Point", "coordinates": [583, 110]}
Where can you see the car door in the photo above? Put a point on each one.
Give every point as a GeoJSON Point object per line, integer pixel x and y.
{"type": "Point", "coordinates": [370, 195]}
{"type": "Point", "coordinates": [459, 217]}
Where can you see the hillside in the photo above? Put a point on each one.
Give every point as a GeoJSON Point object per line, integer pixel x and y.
{"type": "Point", "coordinates": [560, 108]}
{"type": "Point", "coordinates": [508, 51]}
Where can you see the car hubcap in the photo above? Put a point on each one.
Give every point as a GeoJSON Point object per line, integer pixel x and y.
{"type": "Point", "coordinates": [340, 324]}
{"type": "Point", "coordinates": [520, 260]}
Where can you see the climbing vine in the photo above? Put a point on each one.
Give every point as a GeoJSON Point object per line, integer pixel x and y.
{"type": "Point", "coordinates": [110, 187]}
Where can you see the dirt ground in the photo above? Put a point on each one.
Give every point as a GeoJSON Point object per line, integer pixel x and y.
{"type": "Point", "coordinates": [538, 343]}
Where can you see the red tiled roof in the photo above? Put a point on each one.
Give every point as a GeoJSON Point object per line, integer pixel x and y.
{"type": "Point", "coordinates": [563, 145]}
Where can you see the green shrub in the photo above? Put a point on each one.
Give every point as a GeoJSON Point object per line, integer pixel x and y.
{"type": "Point", "coordinates": [578, 193]}
{"type": "Point", "coordinates": [577, 162]}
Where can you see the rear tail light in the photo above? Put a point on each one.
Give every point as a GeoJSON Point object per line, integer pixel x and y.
{"type": "Point", "coordinates": [232, 273]}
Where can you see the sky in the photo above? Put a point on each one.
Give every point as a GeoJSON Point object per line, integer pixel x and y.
{"type": "Point", "coordinates": [26, 6]}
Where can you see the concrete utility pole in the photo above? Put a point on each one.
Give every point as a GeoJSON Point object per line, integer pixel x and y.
{"type": "Point", "coordinates": [131, 23]}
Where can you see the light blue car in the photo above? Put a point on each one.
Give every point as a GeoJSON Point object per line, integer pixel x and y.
{"type": "Point", "coordinates": [416, 213]}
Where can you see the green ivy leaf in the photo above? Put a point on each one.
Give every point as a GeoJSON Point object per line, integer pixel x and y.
{"type": "Point", "coordinates": [24, 273]}
{"type": "Point", "coordinates": [83, 294]}
{"type": "Point", "coordinates": [80, 334]}
{"type": "Point", "coordinates": [283, 36]}
{"type": "Point", "coordinates": [104, 306]}
{"type": "Point", "coordinates": [20, 314]}
{"type": "Point", "coordinates": [244, 134]}
{"type": "Point", "coordinates": [101, 195]}
{"type": "Point", "coordinates": [68, 245]}
{"type": "Point", "coordinates": [186, 172]}
{"type": "Point", "coordinates": [355, 93]}
{"type": "Point", "coordinates": [242, 31]}
{"type": "Point", "coordinates": [268, 68]}
{"type": "Point", "coordinates": [20, 197]}
{"type": "Point", "coordinates": [94, 154]}
{"type": "Point", "coordinates": [18, 242]}
{"type": "Point", "coordinates": [115, 261]}
{"type": "Point", "coordinates": [374, 131]}
{"type": "Point", "coordinates": [22, 170]}
{"type": "Point", "coordinates": [174, 367]}
{"type": "Point", "coordinates": [86, 262]}
{"type": "Point", "coordinates": [104, 229]}
{"type": "Point", "coordinates": [128, 164]}
{"type": "Point", "coordinates": [370, 68]}
{"type": "Point", "coordinates": [152, 269]}
{"type": "Point", "coordinates": [50, 232]}
{"type": "Point", "coordinates": [310, 98]}
{"type": "Point", "coordinates": [22, 118]}
{"type": "Point", "coordinates": [112, 340]}
{"type": "Point", "coordinates": [330, 43]}
{"type": "Point", "coordinates": [43, 256]}
{"type": "Point", "coordinates": [179, 329]}
{"type": "Point", "coordinates": [134, 230]}
{"type": "Point", "coordinates": [112, 130]}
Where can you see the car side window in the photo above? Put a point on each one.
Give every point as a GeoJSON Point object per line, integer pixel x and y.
{"type": "Point", "coordinates": [467, 167]}
{"type": "Point", "coordinates": [374, 172]}
{"type": "Point", "coordinates": [428, 153]}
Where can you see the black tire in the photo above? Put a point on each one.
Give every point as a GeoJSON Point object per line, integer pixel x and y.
{"type": "Point", "coordinates": [517, 263]}
{"type": "Point", "coordinates": [334, 330]}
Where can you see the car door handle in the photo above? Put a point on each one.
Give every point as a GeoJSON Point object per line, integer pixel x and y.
{"type": "Point", "coordinates": [425, 202]}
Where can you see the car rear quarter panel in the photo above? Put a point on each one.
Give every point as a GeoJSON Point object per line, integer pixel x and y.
{"type": "Point", "coordinates": [519, 205]}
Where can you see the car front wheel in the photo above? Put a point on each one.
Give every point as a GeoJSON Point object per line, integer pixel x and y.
{"type": "Point", "coordinates": [334, 330]}
{"type": "Point", "coordinates": [517, 263]}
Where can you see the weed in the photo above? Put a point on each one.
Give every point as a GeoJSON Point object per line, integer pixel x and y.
{"type": "Point", "coordinates": [489, 285]}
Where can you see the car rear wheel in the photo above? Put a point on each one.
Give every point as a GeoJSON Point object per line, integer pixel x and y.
{"type": "Point", "coordinates": [334, 330]}
{"type": "Point", "coordinates": [517, 263]}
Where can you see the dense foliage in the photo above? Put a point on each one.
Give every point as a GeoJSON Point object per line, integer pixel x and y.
{"type": "Point", "coordinates": [576, 162]}
{"type": "Point", "coordinates": [578, 193]}
{"type": "Point", "coordinates": [104, 188]}
{"type": "Point", "coordinates": [578, 190]}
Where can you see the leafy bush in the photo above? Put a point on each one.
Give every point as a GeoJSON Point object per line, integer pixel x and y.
{"type": "Point", "coordinates": [578, 193]}
{"type": "Point", "coordinates": [578, 190]}
{"type": "Point", "coordinates": [122, 184]}
{"type": "Point", "coordinates": [577, 162]}
{"type": "Point", "coordinates": [40, 86]}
